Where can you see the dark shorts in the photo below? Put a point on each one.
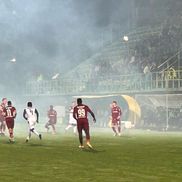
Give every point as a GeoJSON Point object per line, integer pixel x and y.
{"type": "Point", "coordinates": [10, 123]}
{"type": "Point", "coordinates": [82, 125]}
{"type": "Point", "coordinates": [49, 124]}
{"type": "Point", "coordinates": [52, 122]}
{"type": "Point", "coordinates": [116, 122]}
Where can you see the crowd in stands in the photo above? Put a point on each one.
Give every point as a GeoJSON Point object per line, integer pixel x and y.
{"type": "Point", "coordinates": [156, 118]}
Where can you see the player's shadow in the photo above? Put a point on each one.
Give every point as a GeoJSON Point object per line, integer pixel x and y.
{"type": "Point", "coordinates": [45, 146]}
{"type": "Point", "coordinates": [92, 150]}
{"type": "Point", "coordinates": [8, 143]}
{"type": "Point", "coordinates": [35, 144]}
{"type": "Point", "coordinates": [26, 144]}
{"type": "Point", "coordinates": [126, 136]}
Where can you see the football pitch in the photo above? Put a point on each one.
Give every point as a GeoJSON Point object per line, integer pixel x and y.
{"type": "Point", "coordinates": [135, 156]}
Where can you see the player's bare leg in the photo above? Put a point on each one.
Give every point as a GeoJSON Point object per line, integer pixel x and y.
{"type": "Point", "coordinates": [11, 137]}
{"type": "Point", "coordinates": [47, 126]}
{"type": "Point", "coordinates": [88, 138]}
{"type": "Point", "coordinates": [35, 132]}
{"type": "Point", "coordinates": [54, 129]}
{"type": "Point", "coordinates": [80, 137]}
{"type": "Point", "coordinates": [75, 130]}
{"type": "Point", "coordinates": [29, 136]}
{"type": "Point", "coordinates": [115, 132]}
{"type": "Point", "coordinates": [81, 140]}
{"type": "Point", "coordinates": [119, 130]}
{"type": "Point", "coordinates": [2, 128]}
{"type": "Point", "coordinates": [68, 127]}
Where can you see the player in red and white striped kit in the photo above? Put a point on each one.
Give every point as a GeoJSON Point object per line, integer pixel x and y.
{"type": "Point", "coordinates": [52, 115]}
{"type": "Point", "coordinates": [116, 114]}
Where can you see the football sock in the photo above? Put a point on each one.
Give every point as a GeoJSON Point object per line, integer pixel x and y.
{"type": "Point", "coordinates": [113, 128]}
{"type": "Point", "coordinates": [87, 134]}
{"type": "Point", "coordinates": [119, 129]}
{"type": "Point", "coordinates": [53, 127]}
{"type": "Point", "coordinates": [11, 134]}
{"type": "Point", "coordinates": [4, 127]}
{"type": "Point", "coordinates": [46, 126]}
{"type": "Point", "coordinates": [74, 129]}
{"type": "Point", "coordinates": [81, 138]}
{"type": "Point", "coordinates": [29, 135]}
{"type": "Point", "coordinates": [35, 132]}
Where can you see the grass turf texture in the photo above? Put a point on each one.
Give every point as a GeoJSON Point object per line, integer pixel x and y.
{"type": "Point", "coordinates": [146, 156]}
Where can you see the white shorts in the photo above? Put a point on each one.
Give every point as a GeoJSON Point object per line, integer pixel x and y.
{"type": "Point", "coordinates": [31, 124]}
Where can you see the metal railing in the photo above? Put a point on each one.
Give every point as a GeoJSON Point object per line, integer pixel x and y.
{"type": "Point", "coordinates": [133, 83]}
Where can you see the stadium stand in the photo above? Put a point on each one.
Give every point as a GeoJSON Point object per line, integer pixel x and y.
{"type": "Point", "coordinates": [121, 67]}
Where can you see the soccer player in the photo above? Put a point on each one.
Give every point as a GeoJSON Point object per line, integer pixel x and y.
{"type": "Point", "coordinates": [72, 122]}
{"type": "Point", "coordinates": [32, 116]}
{"type": "Point", "coordinates": [10, 115]}
{"type": "Point", "coordinates": [2, 119]}
{"type": "Point", "coordinates": [116, 118]}
{"type": "Point", "coordinates": [52, 115]}
{"type": "Point", "coordinates": [80, 113]}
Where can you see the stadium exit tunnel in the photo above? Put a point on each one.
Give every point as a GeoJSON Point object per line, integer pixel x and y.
{"type": "Point", "coordinates": [134, 111]}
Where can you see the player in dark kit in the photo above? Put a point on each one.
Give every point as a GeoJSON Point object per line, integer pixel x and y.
{"type": "Point", "coordinates": [10, 115]}
{"type": "Point", "coordinates": [116, 118]}
{"type": "Point", "coordinates": [80, 113]}
{"type": "Point", "coordinates": [52, 115]}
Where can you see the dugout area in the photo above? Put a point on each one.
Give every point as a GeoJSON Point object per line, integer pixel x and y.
{"type": "Point", "coordinates": [160, 111]}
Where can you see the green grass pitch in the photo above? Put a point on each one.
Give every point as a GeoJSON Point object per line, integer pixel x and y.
{"type": "Point", "coordinates": [135, 156]}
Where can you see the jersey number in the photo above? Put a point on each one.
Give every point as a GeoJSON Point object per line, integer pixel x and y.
{"type": "Point", "coordinates": [9, 112]}
{"type": "Point", "coordinates": [81, 113]}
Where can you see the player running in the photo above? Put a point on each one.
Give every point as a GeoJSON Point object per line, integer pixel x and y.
{"type": "Point", "coordinates": [72, 122]}
{"type": "Point", "coordinates": [116, 118]}
{"type": "Point", "coordinates": [10, 115]}
{"type": "Point", "coordinates": [32, 116]}
{"type": "Point", "coordinates": [52, 115]}
{"type": "Point", "coordinates": [2, 119]}
{"type": "Point", "coordinates": [80, 113]}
